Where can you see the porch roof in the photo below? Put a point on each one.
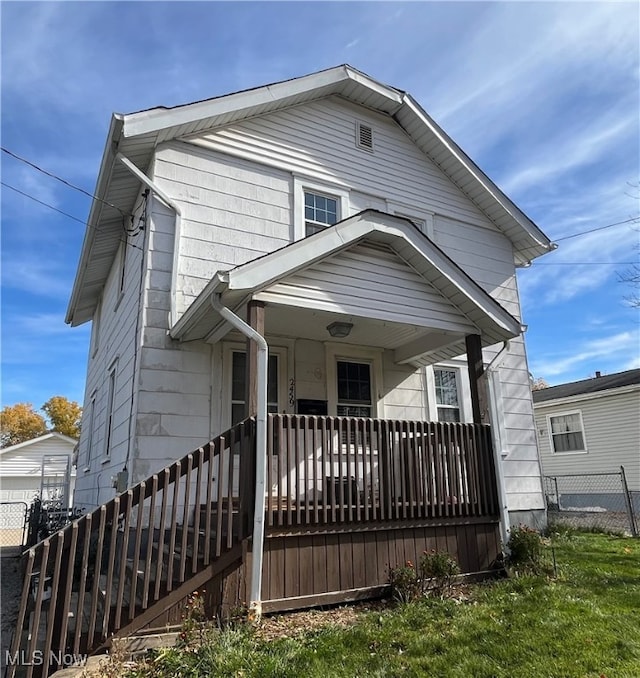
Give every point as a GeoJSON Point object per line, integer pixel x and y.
{"type": "Point", "coordinates": [442, 306]}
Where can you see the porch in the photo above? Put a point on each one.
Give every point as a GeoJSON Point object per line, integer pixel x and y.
{"type": "Point", "coordinates": [347, 499]}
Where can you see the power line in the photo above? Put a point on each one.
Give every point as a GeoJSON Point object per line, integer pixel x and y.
{"type": "Point", "coordinates": [70, 216]}
{"type": "Point", "coordinates": [64, 181]}
{"type": "Point", "coordinates": [599, 228]}
{"type": "Point", "coordinates": [46, 204]}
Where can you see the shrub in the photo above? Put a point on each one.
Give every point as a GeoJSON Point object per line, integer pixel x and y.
{"type": "Point", "coordinates": [438, 571]}
{"type": "Point", "coordinates": [525, 549]}
{"type": "Point", "coordinates": [434, 575]}
{"type": "Point", "coordinates": [405, 583]}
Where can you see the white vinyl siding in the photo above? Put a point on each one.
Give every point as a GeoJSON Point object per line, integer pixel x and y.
{"type": "Point", "coordinates": [115, 336]}
{"type": "Point", "coordinates": [316, 139]}
{"type": "Point", "coordinates": [369, 281]}
{"type": "Point", "coordinates": [233, 211]}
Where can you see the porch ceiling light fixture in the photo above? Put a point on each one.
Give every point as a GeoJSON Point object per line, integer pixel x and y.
{"type": "Point", "coordinates": [339, 330]}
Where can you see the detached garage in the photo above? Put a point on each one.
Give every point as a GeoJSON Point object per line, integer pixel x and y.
{"type": "Point", "coordinates": [43, 464]}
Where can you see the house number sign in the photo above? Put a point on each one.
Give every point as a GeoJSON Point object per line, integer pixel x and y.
{"type": "Point", "coordinates": [292, 392]}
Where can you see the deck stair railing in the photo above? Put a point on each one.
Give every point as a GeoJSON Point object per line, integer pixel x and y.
{"type": "Point", "coordinates": [119, 567]}
{"type": "Point", "coordinates": [341, 469]}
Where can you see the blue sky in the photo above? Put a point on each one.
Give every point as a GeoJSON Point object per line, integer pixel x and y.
{"type": "Point", "coordinates": [543, 96]}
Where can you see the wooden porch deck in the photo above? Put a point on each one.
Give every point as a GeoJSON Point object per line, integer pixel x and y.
{"type": "Point", "coordinates": [347, 500]}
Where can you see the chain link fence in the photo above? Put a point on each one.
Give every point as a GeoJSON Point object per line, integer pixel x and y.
{"type": "Point", "coordinates": [600, 501]}
{"type": "Point", "coordinates": [13, 521]}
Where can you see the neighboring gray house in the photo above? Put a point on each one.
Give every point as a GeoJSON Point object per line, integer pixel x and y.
{"type": "Point", "coordinates": [590, 426]}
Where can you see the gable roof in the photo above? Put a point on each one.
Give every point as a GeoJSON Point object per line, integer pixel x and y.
{"type": "Point", "coordinates": [475, 306]}
{"type": "Point", "coordinates": [137, 134]}
{"type": "Point", "coordinates": [585, 386]}
{"type": "Point", "coordinates": [34, 441]}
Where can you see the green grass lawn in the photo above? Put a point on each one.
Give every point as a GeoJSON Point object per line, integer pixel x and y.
{"type": "Point", "coordinates": [585, 621]}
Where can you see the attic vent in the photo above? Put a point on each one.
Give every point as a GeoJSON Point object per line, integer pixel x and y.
{"type": "Point", "coordinates": [364, 137]}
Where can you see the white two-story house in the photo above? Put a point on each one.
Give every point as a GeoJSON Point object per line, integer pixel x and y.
{"type": "Point", "coordinates": [378, 263]}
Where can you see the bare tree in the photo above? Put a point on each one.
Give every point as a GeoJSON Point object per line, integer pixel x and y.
{"type": "Point", "coordinates": [631, 276]}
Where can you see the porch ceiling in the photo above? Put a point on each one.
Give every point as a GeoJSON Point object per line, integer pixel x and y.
{"type": "Point", "coordinates": [375, 270]}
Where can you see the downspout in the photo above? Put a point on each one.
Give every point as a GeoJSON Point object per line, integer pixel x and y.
{"type": "Point", "coordinates": [178, 222]}
{"type": "Point", "coordinates": [498, 451]}
{"type": "Point", "coordinates": [255, 602]}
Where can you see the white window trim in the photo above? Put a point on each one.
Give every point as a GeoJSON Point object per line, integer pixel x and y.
{"type": "Point", "coordinates": [302, 184]}
{"type": "Point", "coordinates": [110, 409]}
{"type": "Point", "coordinates": [282, 352]}
{"type": "Point", "coordinates": [565, 413]}
{"type": "Point", "coordinates": [415, 215]}
{"type": "Point", "coordinates": [90, 428]}
{"type": "Point", "coordinates": [95, 328]}
{"type": "Point", "coordinates": [335, 352]}
{"type": "Point", "coordinates": [464, 390]}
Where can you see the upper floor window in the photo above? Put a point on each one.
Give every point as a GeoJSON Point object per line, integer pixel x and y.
{"type": "Point", "coordinates": [447, 394]}
{"type": "Point", "coordinates": [317, 205]}
{"type": "Point", "coordinates": [320, 211]}
{"type": "Point", "coordinates": [567, 432]}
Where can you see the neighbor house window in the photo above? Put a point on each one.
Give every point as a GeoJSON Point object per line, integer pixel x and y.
{"type": "Point", "coordinates": [567, 432]}
{"type": "Point", "coordinates": [447, 394]}
{"type": "Point", "coordinates": [320, 211]}
{"type": "Point", "coordinates": [111, 396]}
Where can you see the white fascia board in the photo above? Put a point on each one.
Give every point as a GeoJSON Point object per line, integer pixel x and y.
{"type": "Point", "coordinates": [375, 86]}
{"type": "Point", "coordinates": [582, 397]}
{"type": "Point", "coordinates": [102, 183]}
{"type": "Point", "coordinates": [538, 237]}
{"type": "Point", "coordinates": [200, 306]}
{"type": "Point", "coordinates": [160, 118]}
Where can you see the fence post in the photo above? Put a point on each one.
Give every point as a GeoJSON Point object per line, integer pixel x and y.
{"type": "Point", "coordinates": [627, 498]}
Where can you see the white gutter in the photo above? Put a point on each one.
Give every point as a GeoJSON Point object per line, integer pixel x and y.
{"type": "Point", "coordinates": [255, 602]}
{"type": "Point", "coordinates": [178, 223]}
{"type": "Point", "coordinates": [493, 383]}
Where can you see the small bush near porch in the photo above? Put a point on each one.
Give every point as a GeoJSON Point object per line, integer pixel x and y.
{"type": "Point", "coordinates": [584, 622]}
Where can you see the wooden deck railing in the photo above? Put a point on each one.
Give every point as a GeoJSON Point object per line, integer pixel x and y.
{"type": "Point", "coordinates": [340, 469]}
{"type": "Point", "coordinates": [97, 575]}
{"type": "Point", "coordinates": [109, 572]}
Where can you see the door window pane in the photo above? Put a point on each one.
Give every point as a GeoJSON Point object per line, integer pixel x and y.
{"type": "Point", "coordinates": [238, 381]}
{"type": "Point", "coordinates": [354, 389]}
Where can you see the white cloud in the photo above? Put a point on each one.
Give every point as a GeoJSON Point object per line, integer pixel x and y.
{"type": "Point", "coordinates": [580, 354]}
{"type": "Point", "coordinates": [36, 276]}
